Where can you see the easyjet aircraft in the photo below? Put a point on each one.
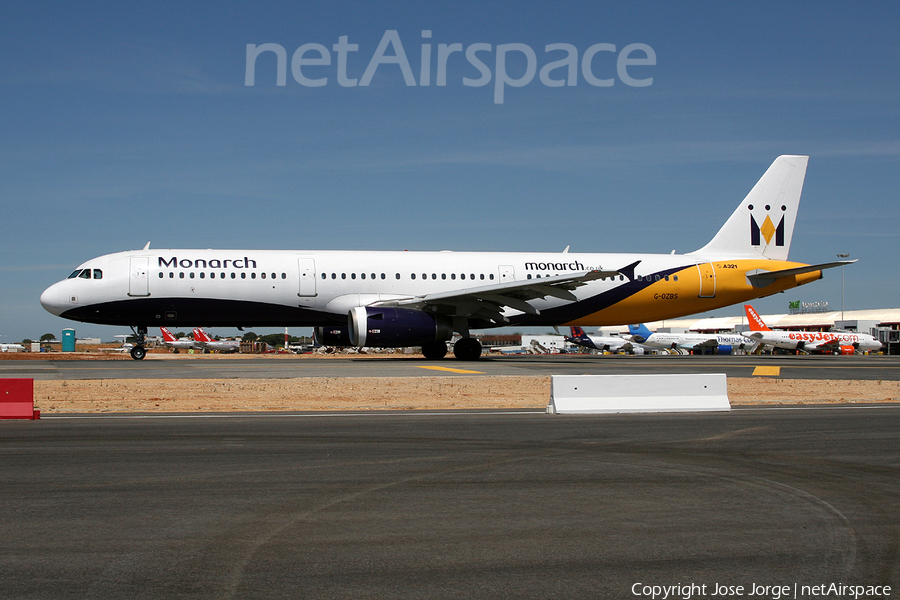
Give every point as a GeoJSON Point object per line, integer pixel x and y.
{"type": "Point", "coordinates": [824, 342]}
{"type": "Point", "coordinates": [396, 299]}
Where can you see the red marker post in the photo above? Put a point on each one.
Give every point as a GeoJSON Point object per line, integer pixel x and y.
{"type": "Point", "coordinates": [17, 399]}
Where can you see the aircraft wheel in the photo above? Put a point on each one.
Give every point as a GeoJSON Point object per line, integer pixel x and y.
{"type": "Point", "coordinates": [138, 353]}
{"type": "Point", "coordinates": [435, 350]}
{"type": "Point", "coordinates": [467, 349]}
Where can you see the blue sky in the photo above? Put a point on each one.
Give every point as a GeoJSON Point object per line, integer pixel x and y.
{"type": "Point", "coordinates": [131, 122]}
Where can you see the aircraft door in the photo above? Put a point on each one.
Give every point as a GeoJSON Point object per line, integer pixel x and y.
{"type": "Point", "coordinates": [707, 280]}
{"type": "Point", "coordinates": [507, 273]}
{"type": "Point", "coordinates": [307, 267]}
{"type": "Point", "coordinates": [138, 279]}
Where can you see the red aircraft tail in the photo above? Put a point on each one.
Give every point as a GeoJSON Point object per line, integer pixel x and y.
{"type": "Point", "coordinates": [756, 322]}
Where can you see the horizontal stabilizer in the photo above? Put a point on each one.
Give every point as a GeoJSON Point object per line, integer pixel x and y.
{"type": "Point", "coordinates": [761, 278]}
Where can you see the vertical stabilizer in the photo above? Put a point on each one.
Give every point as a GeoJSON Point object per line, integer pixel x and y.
{"type": "Point", "coordinates": [755, 321]}
{"type": "Point", "coordinates": [578, 333]}
{"type": "Point", "coordinates": [639, 333]}
{"type": "Point", "coordinates": [763, 223]}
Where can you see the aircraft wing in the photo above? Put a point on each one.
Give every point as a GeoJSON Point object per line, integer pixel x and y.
{"type": "Point", "coordinates": [832, 343]}
{"type": "Point", "coordinates": [488, 301]}
{"type": "Point", "coordinates": [710, 343]}
{"type": "Point", "coordinates": [762, 278]}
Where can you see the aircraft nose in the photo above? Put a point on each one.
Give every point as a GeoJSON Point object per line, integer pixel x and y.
{"type": "Point", "coordinates": [50, 300]}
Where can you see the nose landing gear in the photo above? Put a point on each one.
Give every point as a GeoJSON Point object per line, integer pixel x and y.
{"type": "Point", "coordinates": [138, 352]}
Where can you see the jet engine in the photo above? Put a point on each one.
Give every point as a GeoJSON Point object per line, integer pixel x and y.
{"type": "Point", "coordinates": [396, 327]}
{"type": "Point", "coordinates": [332, 335]}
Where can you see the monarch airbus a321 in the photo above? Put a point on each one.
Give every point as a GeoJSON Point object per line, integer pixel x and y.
{"type": "Point", "coordinates": [398, 299]}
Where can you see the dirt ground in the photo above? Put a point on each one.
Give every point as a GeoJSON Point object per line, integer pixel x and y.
{"type": "Point", "coordinates": [392, 393]}
{"type": "Point", "coordinates": [380, 393]}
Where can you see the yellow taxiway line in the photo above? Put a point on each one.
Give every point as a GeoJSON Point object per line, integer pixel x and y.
{"type": "Point", "coordinates": [453, 370]}
{"type": "Point", "coordinates": [767, 371]}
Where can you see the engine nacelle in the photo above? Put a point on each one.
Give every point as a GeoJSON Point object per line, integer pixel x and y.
{"type": "Point", "coordinates": [396, 327]}
{"type": "Point", "coordinates": [332, 335]}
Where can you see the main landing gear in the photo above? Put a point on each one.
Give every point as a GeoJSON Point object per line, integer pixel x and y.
{"type": "Point", "coordinates": [434, 350]}
{"type": "Point", "coordinates": [464, 349]}
{"type": "Point", "coordinates": [467, 349]}
{"type": "Point", "coordinates": [138, 352]}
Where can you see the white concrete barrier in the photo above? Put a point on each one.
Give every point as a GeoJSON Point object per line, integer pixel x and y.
{"type": "Point", "coordinates": [638, 393]}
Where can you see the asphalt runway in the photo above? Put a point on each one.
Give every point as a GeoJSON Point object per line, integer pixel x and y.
{"type": "Point", "coordinates": [449, 505]}
{"type": "Point", "coordinates": [885, 368]}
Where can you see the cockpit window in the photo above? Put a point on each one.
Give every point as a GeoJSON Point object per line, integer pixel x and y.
{"type": "Point", "coordinates": [86, 274]}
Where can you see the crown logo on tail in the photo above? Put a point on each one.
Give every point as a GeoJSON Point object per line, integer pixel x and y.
{"type": "Point", "coordinates": [767, 231]}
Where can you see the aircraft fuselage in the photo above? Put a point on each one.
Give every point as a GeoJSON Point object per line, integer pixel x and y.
{"type": "Point", "coordinates": [246, 288]}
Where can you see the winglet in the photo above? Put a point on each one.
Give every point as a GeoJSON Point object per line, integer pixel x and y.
{"type": "Point", "coordinates": [629, 270]}
{"type": "Point", "coordinates": [756, 322]}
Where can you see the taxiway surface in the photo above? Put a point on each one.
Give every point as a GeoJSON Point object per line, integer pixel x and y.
{"type": "Point", "coordinates": [885, 368]}
{"type": "Point", "coordinates": [449, 505]}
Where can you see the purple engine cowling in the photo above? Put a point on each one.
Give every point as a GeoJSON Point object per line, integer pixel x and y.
{"type": "Point", "coordinates": [390, 327]}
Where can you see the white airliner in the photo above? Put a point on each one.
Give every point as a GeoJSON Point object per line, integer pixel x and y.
{"type": "Point", "coordinates": [207, 343]}
{"type": "Point", "coordinates": [12, 348]}
{"type": "Point", "coordinates": [398, 299]}
{"type": "Point", "coordinates": [598, 342]}
{"type": "Point", "coordinates": [722, 343]}
{"type": "Point", "coordinates": [172, 342]}
{"type": "Point", "coordinates": [825, 342]}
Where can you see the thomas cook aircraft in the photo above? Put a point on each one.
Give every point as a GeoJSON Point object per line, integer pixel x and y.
{"type": "Point", "coordinates": [397, 299]}
{"type": "Point", "coordinates": [718, 343]}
